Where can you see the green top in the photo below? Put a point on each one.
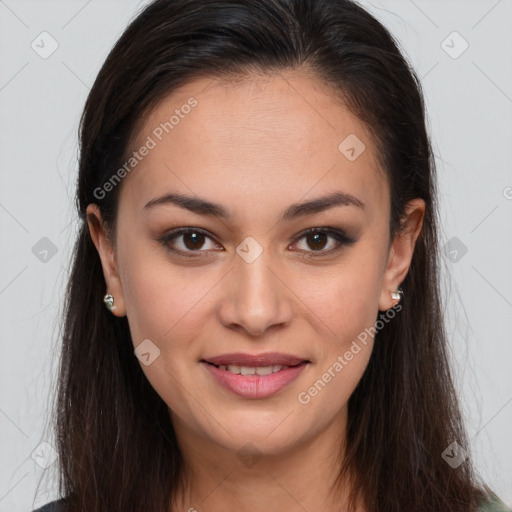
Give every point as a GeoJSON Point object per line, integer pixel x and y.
{"type": "Point", "coordinates": [494, 504]}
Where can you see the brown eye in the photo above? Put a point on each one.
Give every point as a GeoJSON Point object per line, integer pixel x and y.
{"type": "Point", "coordinates": [188, 242]}
{"type": "Point", "coordinates": [317, 239]}
{"type": "Point", "coordinates": [193, 240]}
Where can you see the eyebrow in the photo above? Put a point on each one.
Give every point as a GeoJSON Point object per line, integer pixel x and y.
{"type": "Point", "coordinates": [204, 207]}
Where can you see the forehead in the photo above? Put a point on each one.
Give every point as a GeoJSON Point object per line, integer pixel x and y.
{"type": "Point", "coordinates": [271, 139]}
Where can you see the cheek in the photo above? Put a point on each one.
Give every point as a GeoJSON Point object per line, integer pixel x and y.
{"type": "Point", "coordinates": [347, 306]}
{"type": "Point", "coordinates": [348, 310]}
{"type": "Point", "coordinates": [155, 297]}
{"type": "Point", "coordinates": [164, 306]}
{"type": "Point", "coordinates": [167, 304]}
{"type": "Point", "coordinates": [148, 306]}
{"type": "Point", "coordinates": [346, 299]}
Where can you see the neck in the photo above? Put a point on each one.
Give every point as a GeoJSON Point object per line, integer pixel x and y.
{"type": "Point", "coordinates": [250, 480]}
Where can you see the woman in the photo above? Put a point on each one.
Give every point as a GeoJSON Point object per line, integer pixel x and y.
{"type": "Point", "coordinates": [253, 316]}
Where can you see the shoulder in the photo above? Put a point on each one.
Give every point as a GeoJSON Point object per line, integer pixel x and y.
{"type": "Point", "coordinates": [493, 504]}
{"type": "Point", "coordinates": [53, 506]}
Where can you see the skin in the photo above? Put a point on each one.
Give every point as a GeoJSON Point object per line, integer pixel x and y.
{"type": "Point", "coordinates": [261, 139]}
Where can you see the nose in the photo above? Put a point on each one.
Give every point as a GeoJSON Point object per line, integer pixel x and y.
{"type": "Point", "coordinates": [255, 299]}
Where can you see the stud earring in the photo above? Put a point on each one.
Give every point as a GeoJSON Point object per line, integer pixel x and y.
{"type": "Point", "coordinates": [398, 294]}
{"type": "Point", "coordinates": [109, 302]}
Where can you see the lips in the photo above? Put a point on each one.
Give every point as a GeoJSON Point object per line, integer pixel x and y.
{"type": "Point", "coordinates": [255, 382]}
{"type": "Point", "coordinates": [249, 360]}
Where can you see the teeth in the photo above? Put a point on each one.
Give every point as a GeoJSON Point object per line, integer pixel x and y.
{"type": "Point", "coordinates": [247, 370]}
{"type": "Point", "coordinates": [264, 370]}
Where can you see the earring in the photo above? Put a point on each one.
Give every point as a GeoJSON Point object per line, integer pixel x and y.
{"type": "Point", "coordinates": [398, 294]}
{"type": "Point", "coordinates": [109, 302]}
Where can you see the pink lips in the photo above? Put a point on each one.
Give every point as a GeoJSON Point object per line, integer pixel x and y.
{"type": "Point", "coordinates": [255, 386]}
{"type": "Point", "coordinates": [266, 359]}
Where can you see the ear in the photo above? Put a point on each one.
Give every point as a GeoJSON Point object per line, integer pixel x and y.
{"type": "Point", "coordinates": [401, 252]}
{"type": "Point", "coordinates": [108, 258]}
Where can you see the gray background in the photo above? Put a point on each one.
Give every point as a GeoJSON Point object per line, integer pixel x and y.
{"type": "Point", "coordinates": [469, 100]}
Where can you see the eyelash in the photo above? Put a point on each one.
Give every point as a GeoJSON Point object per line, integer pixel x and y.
{"type": "Point", "coordinates": [340, 236]}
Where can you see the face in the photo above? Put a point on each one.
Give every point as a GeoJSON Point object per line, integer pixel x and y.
{"type": "Point", "coordinates": [253, 280]}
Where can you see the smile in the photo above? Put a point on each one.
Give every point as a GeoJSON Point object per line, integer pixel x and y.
{"type": "Point", "coordinates": [251, 370]}
{"type": "Point", "coordinates": [256, 381]}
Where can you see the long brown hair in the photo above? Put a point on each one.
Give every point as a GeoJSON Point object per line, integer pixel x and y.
{"type": "Point", "coordinates": [118, 451]}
